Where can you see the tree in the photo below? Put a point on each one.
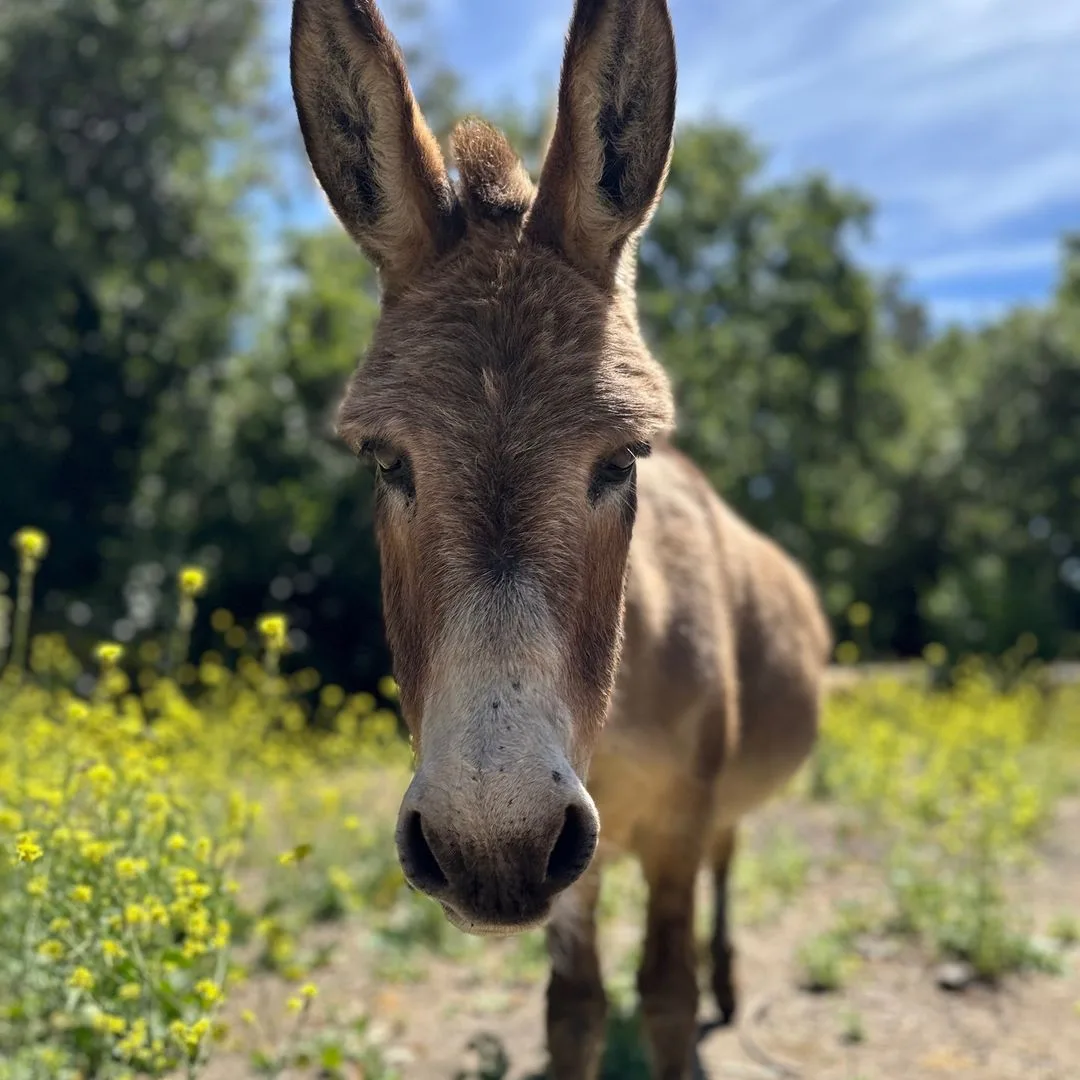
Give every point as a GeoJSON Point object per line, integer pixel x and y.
{"type": "Point", "coordinates": [753, 300]}
{"type": "Point", "coordinates": [268, 498]}
{"type": "Point", "coordinates": [122, 256]}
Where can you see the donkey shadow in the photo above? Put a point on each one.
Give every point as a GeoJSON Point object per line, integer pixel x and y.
{"type": "Point", "coordinates": [624, 1053]}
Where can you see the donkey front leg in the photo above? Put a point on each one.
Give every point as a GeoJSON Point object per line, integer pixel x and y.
{"type": "Point", "coordinates": [576, 1003]}
{"type": "Point", "coordinates": [667, 979]}
{"type": "Point", "coordinates": [721, 950]}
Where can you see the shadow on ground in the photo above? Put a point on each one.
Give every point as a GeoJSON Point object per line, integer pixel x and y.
{"type": "Point", "coordinates": [624, 1056]}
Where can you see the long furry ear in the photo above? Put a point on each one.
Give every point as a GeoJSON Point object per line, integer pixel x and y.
{"type": "Point", "coordinates": [372, 153]}
{"type": "Point", "coordinates": [609, 155]}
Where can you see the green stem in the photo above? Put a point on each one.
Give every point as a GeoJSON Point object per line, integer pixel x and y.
{"type": "Point", "coordinates": [181, 639]}
{"type": "Point", "coordinates": [24, 604]}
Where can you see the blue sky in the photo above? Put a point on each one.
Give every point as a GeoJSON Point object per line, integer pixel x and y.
{"type": "Point", "coordinates": [959, 118]}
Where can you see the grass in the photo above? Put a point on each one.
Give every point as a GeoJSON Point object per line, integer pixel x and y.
{"type": "Point", "coordinates": [183, 834]}
{"type": "Point", "coordinates": [825, 962]}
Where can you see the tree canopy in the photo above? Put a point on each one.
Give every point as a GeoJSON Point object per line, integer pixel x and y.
{"type": "Point", "coordinates": [166, 398]}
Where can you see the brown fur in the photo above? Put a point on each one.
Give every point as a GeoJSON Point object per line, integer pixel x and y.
{"type": "Point", "coordinates": [557, 613]}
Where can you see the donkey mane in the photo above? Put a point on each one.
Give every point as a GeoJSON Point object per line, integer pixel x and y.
{"type": "Point", "coordinates": [493, 184]}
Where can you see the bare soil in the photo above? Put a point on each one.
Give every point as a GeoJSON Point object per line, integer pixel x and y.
{"type": "Point", "coordinates": [890, 1021]}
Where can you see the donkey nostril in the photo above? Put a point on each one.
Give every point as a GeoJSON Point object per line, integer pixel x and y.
{"type": "Point", "coordinates": [419, 860]}
{"type": "Point", "coordinates": [573, 849]}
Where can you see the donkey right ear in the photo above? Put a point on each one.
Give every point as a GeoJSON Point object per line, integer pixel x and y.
{"type": "Point", "coordinates": [372, 153]}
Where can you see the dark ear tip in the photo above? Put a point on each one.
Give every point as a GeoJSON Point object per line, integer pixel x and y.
{"type": "Point", "coordinates": [362, 16]}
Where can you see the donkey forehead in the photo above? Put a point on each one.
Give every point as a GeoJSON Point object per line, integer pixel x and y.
{"type": "Point", "coordinates": [497, 356]}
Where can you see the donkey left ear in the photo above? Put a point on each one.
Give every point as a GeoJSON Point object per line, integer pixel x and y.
{"type": "Point", "coordinates": [605, 168]}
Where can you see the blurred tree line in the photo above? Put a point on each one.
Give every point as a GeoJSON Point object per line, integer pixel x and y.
{"type": "Point", "coordinates": [165, 398]}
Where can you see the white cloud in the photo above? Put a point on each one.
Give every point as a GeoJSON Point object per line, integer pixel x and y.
{"type": "Point", "coordinates": [984, 262]}
{"type": "Point", "coordinates": [967, 311]}
{"type": "Point", "coordinates": [961, 111]}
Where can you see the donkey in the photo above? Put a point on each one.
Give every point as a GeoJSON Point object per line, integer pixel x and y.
{"type": "Point", "coordinates": [583, 633]}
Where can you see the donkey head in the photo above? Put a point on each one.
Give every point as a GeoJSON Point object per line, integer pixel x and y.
{"type": "Point", "coordinates": [505, 398]}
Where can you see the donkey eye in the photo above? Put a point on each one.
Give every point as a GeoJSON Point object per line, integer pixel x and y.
{"type": "Point", "coordinates": [388, 464]}
{"type": "Point", "coordinates": [385, 457]}
{"type": "Point", "coordinates": [623, 461]}
{"type": "Point", "coordinates": [391, 467]}
{"type": "Point", "coordinates": [617, 468]}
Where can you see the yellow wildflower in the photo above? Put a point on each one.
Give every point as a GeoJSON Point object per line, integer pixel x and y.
{"type": "Point", "coordinates": [192, 580]}
{"type": "Point", "coordinates": [32, 546]}
{"type": "Point", "coordinates": [26, 850]}
{"type": "Point", "coordinates": [159, 913]}
{"type": "Point", "coordinates": [208, 992]}
{"type": "Point", "coordinates": [51, 949]}
{"type": "Point", "coordinates": [96, 851]}
{"type": "Point", "coordinates": [198, 923]}
{"type": "Point", "coordinates": [274, 629]}
{"type": "Point", "coordinates": [38, 885]}
{"type": "Point", "coordinates": [220, 940]}
{"type": "Point", "coordinates": [109, 1024]}
{"type": "Point", "coordinates": [130, 992]}
{"type": "Point", "coordinates": [82, 894]}
{"type": "Point", "coordinates": [193, 948]}
{"type": "Point", "coordinates": [109, 653]}
{"type": "Point", "coordinates": [60, 925]}
{"type": "Point", "coordinates": [189, 1035]}
{"type": "Point", "coordinates": [135, 1039]}
{"type": "Point", "coordinates": [102, 780]}
{"type": "Point", "coordinates": [128, 868]}
{"type": "Point", "coordinates": [297, 854]}
{"type": "Point", "coordinates": [112, 950]}
{"type": "Point", "coordinates": [136, 915]}
{"type": "Point", "coordinates": [81, 979]}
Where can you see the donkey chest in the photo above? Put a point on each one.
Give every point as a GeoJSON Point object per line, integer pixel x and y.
{"type": "Point", "coordinates": [643, 784]}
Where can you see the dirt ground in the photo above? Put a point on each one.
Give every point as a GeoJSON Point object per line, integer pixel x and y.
{"type": "Point", "coordinates": [890, 1021]}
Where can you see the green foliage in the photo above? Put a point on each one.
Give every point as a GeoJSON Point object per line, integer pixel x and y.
{"type": "Point", "coordinates": [122, 255]}
{"type": "Point", "coordinates": [284, 509]}
{"type": "Point", "coordinates": [933, 478]}
{"type": "Point", "coordinates": [957, 785]}
{"type": "Point", "coordinates": [168, 397]}
{"type": "Point", "coordinates": [825, 963]}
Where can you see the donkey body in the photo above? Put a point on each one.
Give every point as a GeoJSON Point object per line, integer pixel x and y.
{"type": "Point", "coordinates": [594, 653]}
